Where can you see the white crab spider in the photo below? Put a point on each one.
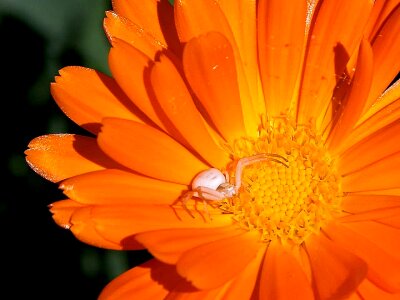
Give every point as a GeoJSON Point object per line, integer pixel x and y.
{"type": "Point", "coordinates": [213, 185]}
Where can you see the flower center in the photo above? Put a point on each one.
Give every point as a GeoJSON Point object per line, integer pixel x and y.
{"type": "Point", "coordinates": [286, 202]}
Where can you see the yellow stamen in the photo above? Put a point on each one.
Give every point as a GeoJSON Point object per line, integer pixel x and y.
{"type": "Point", "coordinates": [287, 203]}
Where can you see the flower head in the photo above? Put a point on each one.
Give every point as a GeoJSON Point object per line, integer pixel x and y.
{"type": "Point", "coordinates": [250, 146]}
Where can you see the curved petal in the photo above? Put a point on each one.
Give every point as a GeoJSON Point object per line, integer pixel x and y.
{"type": "Point", "coordinates": [281, 43]}
{"type": "Point", "coordinates": [386, 49]}
{"type": "Point", "coordinates": [86, 96]}
{"type": "Point", "coordinates": [168, 245]}
{"type": "Point", "coordinates": [282, 277]}
{"type": "Point", "coordinates": [156, 16]}
{"type": "Point", "coordinates": [336, 272]}
{"type": "Point", "coordinates": [116, 187]}
{"type": "Point", "coordinates": [376, 248]}
{"type": "Point", "coordinates": [381, 10]}
{"type": "Point", "coordinates": [384, 112]}
{"type": "Point", "coordinates": [226, 258]}
{"type": "Point", "coordinates": [355, 204]}
{"type": "Point", "coordinates": [354, 100]}
{"type": "Point", "coordinates": [118, 27]}
{"type": "Point", "coordinates": [76, 217]}
{"type": "Point", "coordinates": [242, 287]}
{"type": "Point", "coordinates": [210, 69]}
{"type": "Point", "coordinates": [120, 224]}
{"type": "Point", "coordinates": [130, 68]}
{"type": "Point", "coordinates": [335, 34]}
{"type": "Point", "coordinates": [369, 290]}
{"type": "Point", "coordinates": [191, 24]}
{"type": "Point", "coordinates": [148, 151]}
{"type": "Point", "coordinates": [176, 102]}
{"type": "Point", "coordinates": [60, 156]}
{"type": "Point", "coordinates": [242, 20]}
{"type": "Point", "coordinates": [150, 280]}
{"type": "Point", "coordinates": [380, 175]}
{"type": "Point", "coordinates": [377, 146]}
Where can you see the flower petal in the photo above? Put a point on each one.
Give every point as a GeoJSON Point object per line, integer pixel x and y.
{"type": "Point", "coordinates": [130, 68]}
{"type": "Point", "coordinates": [76, 217]}
{"type": "Point", "coordinates": [281, 40]}
{"type": "Point", "coordinates": [355, 204]}
{"type": "Point", "coordinates": [148, 151]}
{"type": "Point", "coordinates": [168, 245]}
{"type": "Point", "coordinates": [210, 69]}
{"type": "Point", "coordinates": [176, 102]}
{"type": "Point", "coordinates": [119, 224]}
{"type": "Point", "coordinates": [156, 16]}
{"type": "Point", "coordinates": [375, 147]}
{"type": "Point", "coordinates": [60, 156]}
{"type": "Point", "coordinates": [222, 260]}
{"type": "Point", "coordinates": [116, 187]}
{"type": "Point", "coordinates": [335, 34]}
{"type": "Point", "coordinates": [355, 98]}
{"type": "Point", "coordinates": [369, 290]}
{"type": "Point", "coordinates": [150, 280]}
{"type": "Point", "coordinates": [118, 27]}
{"type": "Point", "coordinates": [381, 10]}
{"type": "Point", "coordinates": [75, 89]}
{"type": "Point", "coordinates": [336, 272]}
{"type": "Point", "coordinates": [386, 48]}
{"type": "Point", "coordinates": [242, 20]}
{"type": "Point", "coordinates": [379, 175]}
{"type": "Point", "coordinates": [376, 247]}
{"type": "Point", "coordinates": [191, 24]}
{"type": "Point", "coordinates": [282, 277]}
{"type": "Point", "coordinates": [243, 285]}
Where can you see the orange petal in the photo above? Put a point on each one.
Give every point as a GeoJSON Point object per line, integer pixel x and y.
{"type": "Point", "coordinates": [282, 277]}
{"type": "Point", "coordinates": [386, 48]}
{"type": "Point", "coordinates": [156, 16]}
{"type": "Point", "coordinates": [242, 20]}
{"type": "Point", "coordinates": [361, 203]}
{"type": "Point", "coordinates": [355, 98]}
{"type": "Point", "coordinates": [192, 24]}
{"type": "Point", "coordinates": [116, 187]}
{"type": "Point", "coordinates": [210, 69]}
{"type": "Point", "coordinates": [376, 215]}
{"type": "Point", "coordinates": [380, 11]}
{"type": "Point", "coordinates": [151, 280]}
{"type": "Point", "coordinates": [75, 89]}
{"type": "Point", "coordinates": [380, 175]}
{"type": "Point", "coordinates": [60, 156]}
{"type": "Point", "coordinates": [168, 245]}
{"type": "Point", "coordinates": [281, 40]}
{"type": "Point", "coordinates": [336, 272]}
{"type": "Point", "coordinates": [335, 34]}
{"type": "Point", "coordinates": [130, 67]}
{"type": "Point", "coordinates": [120, 223]}
{"type": "Point", "coordinates": [176, 102]}
{"type": "Point", "coordinates": [72, 215]}
{"type": "Point", "coordinates": [384, 112]}
{"type": "Point", "coordinates": [375, 147]}
{"type": "Point", "coordinates": [118, 27]}
{"type": "Point", "coordinates": [148, 151]}
{"type": "Point", "coordinates": [374, 247]}
{"type": "Point", "coordinates": [213, 264]}
{"type": "Point", "coordinates": [242, 286]}
{"type": "Point", "coordinates": [368, 290]}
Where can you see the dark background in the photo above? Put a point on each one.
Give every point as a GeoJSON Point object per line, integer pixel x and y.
{"type": "Point", "coordinates": [40, 260]}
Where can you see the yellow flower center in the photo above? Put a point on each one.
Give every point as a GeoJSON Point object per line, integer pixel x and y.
{"type": "Point", "coordinates": [285, 202]}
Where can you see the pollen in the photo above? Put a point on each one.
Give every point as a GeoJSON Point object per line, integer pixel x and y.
{"type": "Point", "coordinates": [287, 202]}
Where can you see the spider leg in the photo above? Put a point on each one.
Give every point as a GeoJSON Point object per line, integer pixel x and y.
{"type": "Point", "coordinates": [204, 193]}
{"type": "Point", "coordinates": [246, 161]}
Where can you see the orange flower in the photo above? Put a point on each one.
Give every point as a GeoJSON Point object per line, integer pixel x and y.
{"type": "Point", "coordinates": [306, 81]}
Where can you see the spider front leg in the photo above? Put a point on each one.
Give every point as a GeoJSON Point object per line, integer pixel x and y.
{"type": "Point", "coordinates": [246, 161]}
